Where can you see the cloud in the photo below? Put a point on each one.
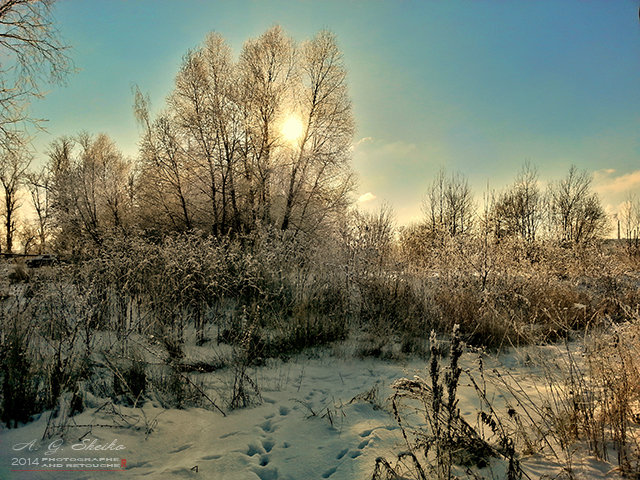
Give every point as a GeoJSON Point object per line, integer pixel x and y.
{"type": "Point", "coordinates": [367, 197]}
{"type": "Point", "coordinates": [399, 148]}
{"type": "Point", "coordinates": [370, 147]}
{"type": "Point", "coordinates": [606, 182]}
{"type": "Point", "coordinates": [362, 141]}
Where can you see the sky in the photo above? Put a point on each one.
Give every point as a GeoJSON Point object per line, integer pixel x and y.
{"type": "Point", "coordinates": [475, 87]}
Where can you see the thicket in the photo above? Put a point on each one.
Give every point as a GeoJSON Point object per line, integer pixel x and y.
{"type": "Point", "coordinates": [582, 401]}
{"type": "Point", "coordinates": [117, 322]}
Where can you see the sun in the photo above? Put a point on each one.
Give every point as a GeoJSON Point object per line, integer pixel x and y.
{"type": "Point", "coordinates": [292, 129]}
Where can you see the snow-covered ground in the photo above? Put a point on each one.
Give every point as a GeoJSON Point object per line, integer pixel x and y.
{"type": "Point", "coordinates": [314, 422]}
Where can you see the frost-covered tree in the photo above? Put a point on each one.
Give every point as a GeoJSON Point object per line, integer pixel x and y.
{"type": "Point", "coordinates": [14, 163]}
{"type": "Point", "coordinates": [629, 223]}
{"type": "Point", "coordinates": [91, 188]}
{"type": "Point", "coordinates": [33, 54]}
{"type": "Point", "coordinates": [519, 211]}
{"type": "Point", "coordinates": [261, 140]}
{"type": "Point", "coordinates": [38, 184]}
{"type": "Point", "coordinates": [449, 206]}
{"type": "Point", "coordinates": [575, 212]}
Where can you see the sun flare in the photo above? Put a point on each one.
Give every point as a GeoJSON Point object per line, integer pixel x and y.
{"type": "Point", "coordinates": [292, 129]}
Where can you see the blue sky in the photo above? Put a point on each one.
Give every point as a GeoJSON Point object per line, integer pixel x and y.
{"type": "Point", "coordinates": [473, 86]}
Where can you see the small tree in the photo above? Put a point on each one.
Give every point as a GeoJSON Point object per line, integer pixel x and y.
{"type": "Point", "coordinates": [369, 239]}
{"type": "Point", "coordinates": [14, 162]}
{"type": "Point", "coordinates": [449, 205]}
{"type": "Point", "coordinates": [629, 220]}
{"type": "Point", "coordinates": [38, 184]}
{"type": "Point", "coordinates": [90, 186]}
{"type": "Point", "coordinates": [576, 214]}
{"type": "Point", "coordinates": [519, 210]}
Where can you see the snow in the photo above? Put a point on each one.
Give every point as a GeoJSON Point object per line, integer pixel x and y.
{"type": "Point", "coordinates": [314, 422]}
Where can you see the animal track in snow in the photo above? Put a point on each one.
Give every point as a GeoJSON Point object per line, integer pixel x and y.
{"type": "Point", "coordinates": [329, 472]}
{"type": "Point", "coordinates": [284, 410]}
{"type": "Point", "coordinates": [267, 473]}
{"type": "Point", "coordinates": [253, 450]}
{"type": "Point", "coordinates": [212, 457]}
{"type": "Point", "coordinates": [342, 453]}
{"type": "Point", "coordinates": [180, 449]}
{"type": "Point", "coordinates": [267, 427]}
{"type": "Point", "coordinates": [363, 444]}
{"type": "Point", "coordinates": [268, 444]}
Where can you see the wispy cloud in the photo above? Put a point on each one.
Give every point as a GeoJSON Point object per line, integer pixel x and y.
{"type": "Point", "coordinates": [371, 146]}
{"type": "Point", "coordinates": [362, 141]}
{"type": "Point", "coordinates": [398, 148]}
{"type": "Point", "coordinates": [366, 197]}
{"type": "Point", "coordinates": [607, 182]}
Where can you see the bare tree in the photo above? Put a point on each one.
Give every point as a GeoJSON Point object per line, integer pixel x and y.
{"type": "Point", "coordinates": [38, 184]}
{"type": "Point", "coordinates": [449, 205]}
{"type": "Point", "coordinates": [90, 187]}
{"type": "Point", "coordinates": [576, 214]}
{"type": "Point", "coordinates": [27, 236]}
{"type": "Point", "coordinates": [266, 75]}
{"type": "Point", "coordinates": [165, 174]}
{"type": "Point", "coordinates": [105, 177]}
{"type": "Point", "coordinates": [369, 239]}
{"type": "Point", "coordinates": [33, 54]}
{"type": "Point", "coordinates": [14, 163]}
{"type": "Point", "coordinates": [629, 218]}
{"type": "Point", "coordinates": [218, 151]}
{"type": "Point", "coordinates": [318, 165]}
{"type": "Point", "coordinates": [61, 187]}
{"type": "Point", "coordinates": [519, 210]}
{"type": "Point", "coordinates": [206, 110]}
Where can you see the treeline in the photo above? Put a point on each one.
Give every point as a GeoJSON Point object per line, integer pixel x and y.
{"type": "Point", "coordinates": [242, 144]}
{"type": "Point", "coordinates": [567, 211]}
{"type": "Point", "coordinates": [262, 141]}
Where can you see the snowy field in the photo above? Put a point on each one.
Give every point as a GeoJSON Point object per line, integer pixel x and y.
{"type": "Point", "coordinates": [322, 416]}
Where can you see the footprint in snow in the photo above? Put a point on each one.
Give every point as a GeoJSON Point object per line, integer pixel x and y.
{"type": "Point", "coordinates": [267, 427]}
{"type": "Point", "coordinates": [284, 411]}
{"type": "Point", "coordinates": [329, 472]}
{"type": "Point", "coordinates": [180, 449]}
{"type": "Point", "coordinates": [267, 473]}
{"type": "Point", "coordinates": [211, 457]}
{"type": "Point", "coordinates": [342, 453]}
{"type": "Point", "coordinates": [363, 444]}
{"type": "Point", "coordinates": [253, 450]}
{"type": "Point", "coordinates": [268, 445]}
{"type": "Point", "coordinates": [390, 428]}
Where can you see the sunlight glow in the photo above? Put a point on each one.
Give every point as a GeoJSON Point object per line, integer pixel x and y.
{"type": "Point", "coordinates": [292, 129]}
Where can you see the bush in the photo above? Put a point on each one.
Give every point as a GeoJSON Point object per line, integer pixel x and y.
{"type": "Point", "coordinates": [19, 382]}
